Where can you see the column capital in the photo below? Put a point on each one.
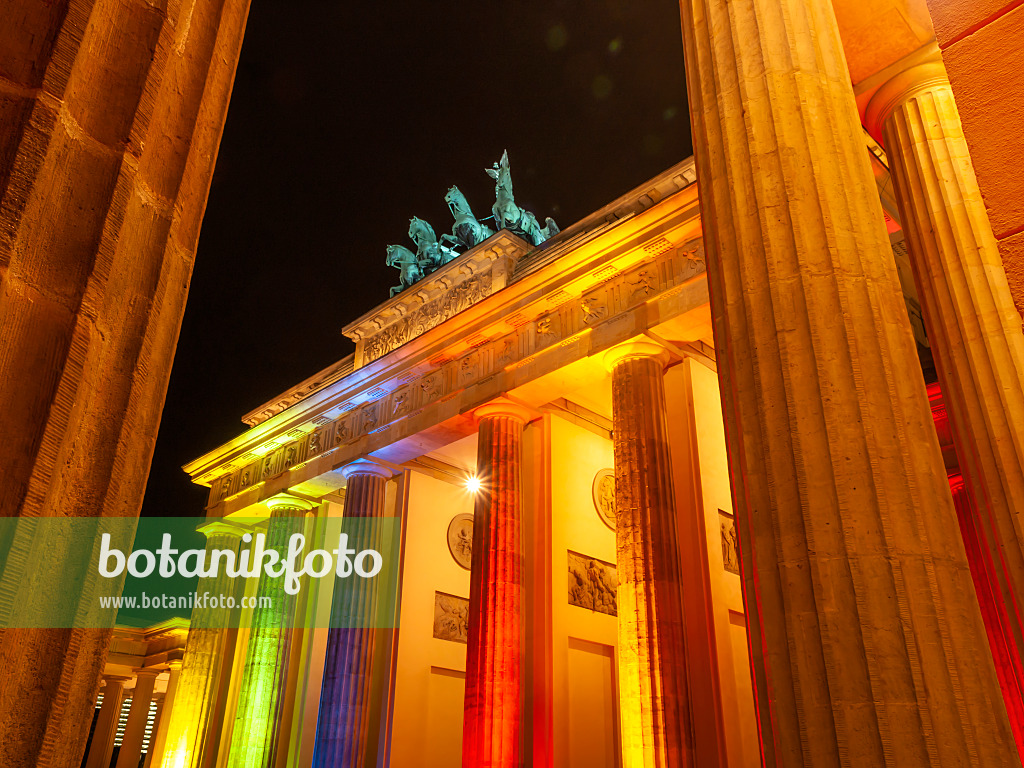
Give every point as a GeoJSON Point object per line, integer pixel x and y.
{"type": "Point", "coordinates": [899, 89]}
{"type": "Point", "coordinates": [366, 467]}
{"type": "Point", "coordinates": [222, 527]}
{"type": "Point", "coordinates": [503, 407]}
{"type": "Point", "coordinates": [287, 501]}
{"type": "Point", "coordinates": [175, 665]}
{"type": "Point", "coordinates": [634, 349]}
{"type": "Point", "coordinates": [118, 680]}
{"type": "Point", "coordinates": [147, 672]}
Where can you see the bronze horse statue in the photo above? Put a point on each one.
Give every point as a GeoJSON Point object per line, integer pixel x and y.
{"type": "Point", "coordinates": [508, 215]}
{"type": "Point", "coordinates": [411, 268]}
{"type": "Point", "coordinates": [467, 230]}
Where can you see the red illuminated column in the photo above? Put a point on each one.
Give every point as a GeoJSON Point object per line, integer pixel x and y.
{"type": "Point", "coordinates": [493, 703]}
{"type": "Point", "coordinates": [654, 709]}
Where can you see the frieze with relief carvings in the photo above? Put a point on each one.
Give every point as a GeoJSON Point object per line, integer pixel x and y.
{"type": "Point", "coordinates": [404, 396]}
{"type": "Point", "coordinates": [431, 314]}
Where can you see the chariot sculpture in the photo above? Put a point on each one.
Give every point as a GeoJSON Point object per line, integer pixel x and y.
{"type": "Point", "coordinates": [467, 231]}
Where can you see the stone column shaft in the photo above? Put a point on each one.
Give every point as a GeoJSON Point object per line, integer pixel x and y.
{"type": "Point", "coordinates": [972, 324]}
{"type": "Point", "coordinates": [261, 698]}
{"type": "Point", "coordinates": [197, 693]}
{"type": "Point", "coordinates": [135, 728]}
{"type": "Point", "coordinates": [344, 722]}
{"type": "Point", "coordinates": [111, 120]}
{"type": "Point", "coordinates": [493, 703]}
{"type": "Point", "coordinates": [102, 746]}
{"type": "Point", "coordinates": [159, 740]}
{"type": "Point", "coordinates": [654, 707]}
{"type": "Point", "coordinates": [866, 638]}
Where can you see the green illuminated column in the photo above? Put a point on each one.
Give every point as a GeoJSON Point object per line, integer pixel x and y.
{"type": "Point", "coordinates": [197, 693]}
{"type": "Point", "coordinates": [258, 717]}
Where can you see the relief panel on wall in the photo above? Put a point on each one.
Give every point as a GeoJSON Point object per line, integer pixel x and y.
{"type": "Point", "coordinates": [730, 542]}
{"type": "Point", "coordinates": [592, 584]}
{"type": "Point", "coordinates": [451, 618]}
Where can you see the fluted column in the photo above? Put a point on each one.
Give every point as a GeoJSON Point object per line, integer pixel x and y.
{"type": "Point", "coordinates": [159, 741]}
{"type": "Point", "coordinates": [867, 643]}
{"type": "Point", "coordinates": [973, 328]}
{"type": "Point", "coordinates": [138, 715]}
{"type": "Point", "coordinates": [261, 699]}
{"type": "Point", "coordinates": [344, 720]}
{"type": "Point", "coordinates": [197, 687]}
{"type": "Point", "coordinates": [110, 119]}
{"type": "Point", "coordinates": [102, 746]}
{"type": "Point", "coordinates": [654, 708]}
{"type": "Point", "coordinates": [493, 703]}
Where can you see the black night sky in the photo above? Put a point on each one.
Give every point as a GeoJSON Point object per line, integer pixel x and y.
{"type": "Point", "coordinates": [349, 118]}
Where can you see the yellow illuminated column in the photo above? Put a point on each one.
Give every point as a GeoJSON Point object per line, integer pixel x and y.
{"type": "Point", "coordinates": [654, 707]}
{"type": "Point", "coordinates": [867, 642]}
{"type": "Point", "coordinates": [973, 328]}
{"type": "Point", "coordinates": [159, 739]}
{"type": "Point", "coordinates": [258, 716]}
{"type": "Point", "coordinates": [135, 728]}
{"type": "Point", "coordinates": [200, 672]}
{"type": "Point", "coordinates": [106, 722]}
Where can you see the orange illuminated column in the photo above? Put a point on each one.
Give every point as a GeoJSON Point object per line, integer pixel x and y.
{"type": "Point", "coordinates": [867, 642]}
{"type": "Point", "coordinates": [491, 723]}
{"type": "Point", "coordinates": [654, 707]}
{"type": "Point", "coordinates": [197, 693]}
{"type": "Point", "coordinates": [343, 723]}
{"type": "Point", "coordinates": [260, 702]}
{"type": "Point", "coordinates": [973, 328]}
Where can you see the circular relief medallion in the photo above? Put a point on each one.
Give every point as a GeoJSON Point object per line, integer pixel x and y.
{"type": "Point", "coordinates": [460, 539]}
{"type": "Point", "coordinates": [604, 496]}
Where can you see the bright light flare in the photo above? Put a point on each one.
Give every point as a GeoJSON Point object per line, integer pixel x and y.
{"type": "Point", "coordinates": [473, 484]}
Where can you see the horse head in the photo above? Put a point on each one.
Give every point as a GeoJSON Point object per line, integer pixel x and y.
{"type": "Point", "coordinates": [398, 256]}
{"type": "Point", "coordinates": [457, 202]}
{"type": "Point", "coordinates": [419, 228]}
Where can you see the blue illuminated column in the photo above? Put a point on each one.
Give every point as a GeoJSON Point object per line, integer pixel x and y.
{"type": "Point", "coordinates": [344, 719]}
{"type": "Point", "coordinates": [257, 726]}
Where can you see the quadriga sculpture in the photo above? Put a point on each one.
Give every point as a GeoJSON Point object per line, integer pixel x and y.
{"type": "Point", "coordinates": [467, 230]}
{"type": "Point", "coordinates": [507, 215]}
{"type": "Point", "coordinates": [409, 266]}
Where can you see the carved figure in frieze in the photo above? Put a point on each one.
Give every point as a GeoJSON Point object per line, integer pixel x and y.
{"type": "Point", "coordinates": [343, 434]}
{"type": "Point", "coordinates": [508, 352]}
{"type": "Point", "coordinates": [431, 387]}
{"type": "Point", "coordinates": [225, 488]}
{"type": "Point", "coordinates": [467, 368]}
{"type": "Point", "coordinates": [594, 309]}
{"type": "Point", "coordinates": [508, 215]}
{"type": "Point", "coordinates": [244, 482]}
{"type": "Point", "coordinates": [268, 467]}
{"type": "Point", "coordinates": [401, 403]}
{"type": "Point", "coordinates": [467, 230]}
{"type": "Point", "coordinates": [371, 416]}
{"type": "Point", "coordinates": [289, 457]}
{"type": "Point", "coordinates": [694, 256]}
{"type": "Point", "coordinates": [545, 331]}
{"type": "Point", "coordinates": [314, 443]}
{"type": "Point", "coordinates": [643, 286]}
